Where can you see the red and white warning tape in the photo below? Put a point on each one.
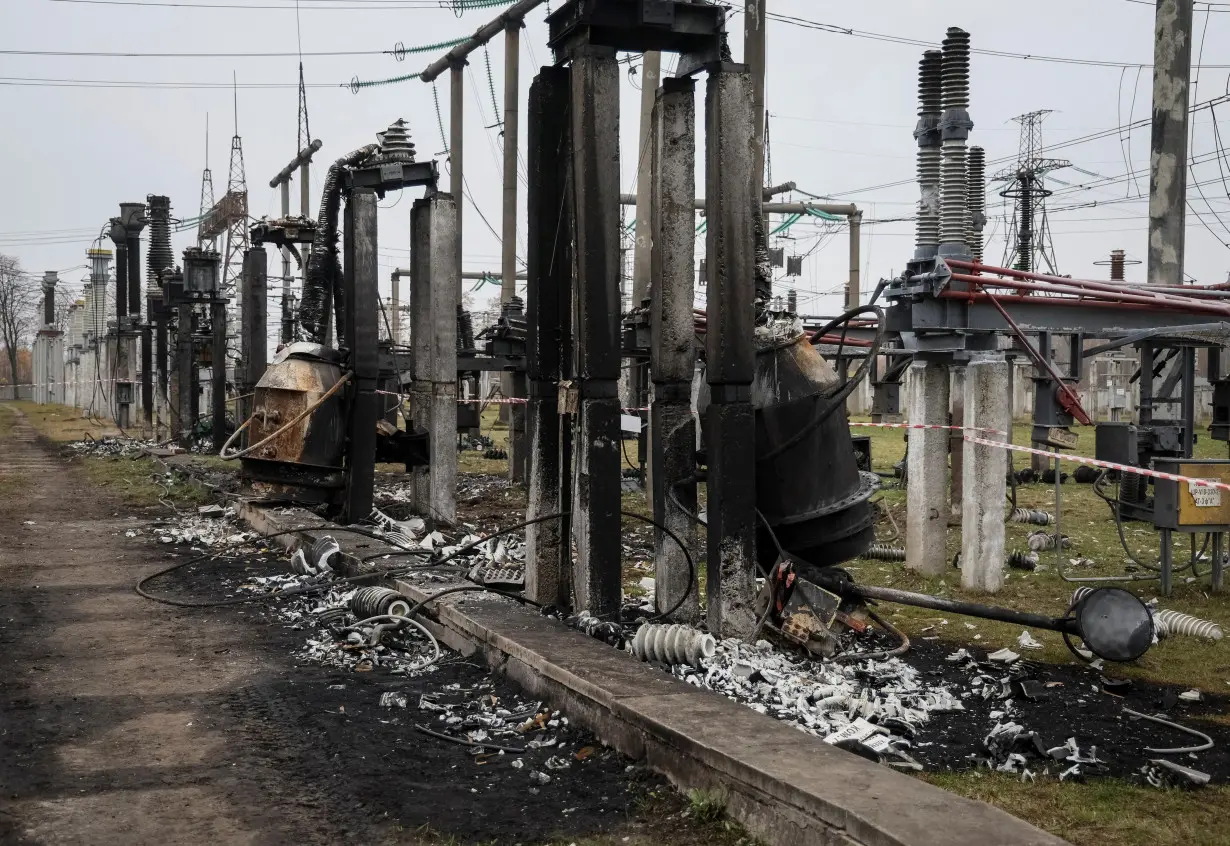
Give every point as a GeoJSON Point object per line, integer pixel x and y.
{"type": "Point", "coordinates": [927, 426]}
{"type": "Point", "coordinates": [1111, 465]}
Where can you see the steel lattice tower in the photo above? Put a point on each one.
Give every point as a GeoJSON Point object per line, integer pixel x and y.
{"type": "Point", "coordinates": [1030, 244]}
{"type": "Point", "coordinates": [236, 200]}
{"type": "Point", "coordinates": [207, 198]}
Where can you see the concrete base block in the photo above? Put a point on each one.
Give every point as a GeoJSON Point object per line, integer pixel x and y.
{"type": "Point", "coordinates": [982, 515]}
{"type": "Point", "coordinates": [926, 522]}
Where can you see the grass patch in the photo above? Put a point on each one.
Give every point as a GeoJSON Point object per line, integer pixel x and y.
{"type": "Point", "coordinates": [60, 423]}
{"type": "Point", "coordinates": [132, 482]}
{"type": "Point", "coordinates": [1104, 812]}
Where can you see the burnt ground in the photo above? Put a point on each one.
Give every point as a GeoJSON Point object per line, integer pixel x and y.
{"type": "Point", "coordinates": [1076, 706]}
{"type": "Point", "coordinates": [123, 721]}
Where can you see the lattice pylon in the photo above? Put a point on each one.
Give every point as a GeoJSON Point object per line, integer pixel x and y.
{"type": "Point", "coordinates": [207, 197]}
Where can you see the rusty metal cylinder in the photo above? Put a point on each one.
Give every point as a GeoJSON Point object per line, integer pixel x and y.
{"type": "Point", "coordinates": [304, 463]}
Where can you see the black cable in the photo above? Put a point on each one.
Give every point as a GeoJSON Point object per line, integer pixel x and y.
{"type": "Point", "coordinates": [693, 582]}
{"type": "Point", "coordinates": [139, 587]}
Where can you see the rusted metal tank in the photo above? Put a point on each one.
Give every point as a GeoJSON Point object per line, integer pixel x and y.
{"type": "Point", "coordinates": [810, 491]}
{"type": "Point", "coordinates": [304, 463]}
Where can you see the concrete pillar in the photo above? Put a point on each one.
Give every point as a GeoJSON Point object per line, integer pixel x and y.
{"type": "Point", "coordinates": [595, 172]}
{"type": "Point", "coordinates": [982, 515]}
{"type": "Point", "coordinates": [420, 341]}
{"type": "Point", "coordinates": [1172, 68]}
{"type": "Point", "coordinates": [185, 370]}
{"type": "Point", "coordinates": [361, 287]}
{"type": "Point", "coordinates": [854, 290]}
{"type": "Point", "coordinates": [926, 518]}
{"type": "Point", "coordinates": [548, 569]}
{"type": "Point", "coordinates": [956, 442]}
{"type": "Point", "coordinates": [254, 317]}
{"type": "Point", "coordinates": [733, 207]}
{"type": "Point", "coordinates": [672, 358]}
{"type": "Point", "coordinates": [445, 296]}
{"type": "Point", "coordinates": [642, 259]}
{"type": "Point", "coordinates": [513, 383]}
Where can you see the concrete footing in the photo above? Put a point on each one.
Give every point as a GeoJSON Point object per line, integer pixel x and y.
{"type": "Point", "coordinates": [926, 519]}
{"type": "Point", "coordinates": [985, 470]}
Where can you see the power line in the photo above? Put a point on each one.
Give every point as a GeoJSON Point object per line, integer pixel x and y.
{"type": "Point", "coordinates": [336, 5]}
{"type": "Point", "coordinates": [1059, 145]}
{"type": "Point", "coordinates": [984, 51]}
{"type": "Point", "coordinates": [49, 82]}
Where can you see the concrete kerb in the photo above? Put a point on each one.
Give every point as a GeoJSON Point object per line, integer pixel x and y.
{"type": "Point", "coordinates": [787, 788]}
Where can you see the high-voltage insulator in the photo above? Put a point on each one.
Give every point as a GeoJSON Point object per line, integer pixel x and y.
{"type": "Point", "coordinates": [1023, 560]}
{"type": "Point", "coordinates": [377, 601]}
{"type": "Point", "coordinates": [395, 143]}
{"type": "Point", "coordinates": [159, 256]}
{"type": "Point", "coordinates": [955, 125]}
{"type": "Point", "coordinates": [955, 71]}
{"type": "Point", "coordinates": [1174, 622]}
{"type": "Point", "coordinates": [465, 330]}
{"type": "Point", "coordinates": [884, 552]}
{"type": "Point", "coordinates": [1030, 516]}
{"type": "Point", "coordinates": [927, 134]}
{"type": "Point", "coordinates": [1044, 541]}
{"type": "Point", "coordinates": [976, 199]}
{"type": "Point", "coordinates": [673, 644]}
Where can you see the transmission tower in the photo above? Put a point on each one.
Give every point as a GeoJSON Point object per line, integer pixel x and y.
{"type": "Point", "coordinates": [237, 196]}
{"type": "Point", "coordinates": [305, 134]}
{"type": "Point", "coordinates": [1030, 244]}
{"type": "Point", "coordinates": [207, 197]}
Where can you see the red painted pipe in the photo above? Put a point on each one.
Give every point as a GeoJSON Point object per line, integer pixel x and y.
{"type": "Point", "coordinates": [1186, 305]}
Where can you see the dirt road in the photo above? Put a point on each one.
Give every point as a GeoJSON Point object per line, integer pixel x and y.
{"type": "Point", "coordinates": [127, 722]}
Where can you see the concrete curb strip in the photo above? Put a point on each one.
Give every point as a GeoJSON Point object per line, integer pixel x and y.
{"type": "Point", "coordinates": [786, 787]}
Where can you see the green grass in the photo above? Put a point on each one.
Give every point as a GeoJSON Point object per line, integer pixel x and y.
{"type": "Point", "coordinates": [132, 482]}
{"type": "Point", "coordinates": [1103, 812]}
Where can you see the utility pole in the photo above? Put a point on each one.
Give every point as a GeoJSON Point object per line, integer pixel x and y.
{"type": "Point", "coordinates": [456, 144]}
{"type": "Point", "coordinates": [642, 266]}
{"type": "Point", "coordinates": [514, 384]}
{"type": "Point", "coordinates": [754, 48]}
{"type": "Point", "coordinates": [1172, 70]}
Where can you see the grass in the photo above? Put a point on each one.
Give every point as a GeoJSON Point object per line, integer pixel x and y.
{"type": "Point", "coordinates": [1103, 812]}
{"type": "Point", "coordinates": [131, 480]}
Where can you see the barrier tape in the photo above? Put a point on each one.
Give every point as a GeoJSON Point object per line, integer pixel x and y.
{"type": "Point", "coordinates": [1110, 465]}
{"type": "Point", "coordinates": [928, 426]}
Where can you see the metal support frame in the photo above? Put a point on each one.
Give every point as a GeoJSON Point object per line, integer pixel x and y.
{"type": "Point", "coordinates": [362, 298]}
{"type": "Point", "coordinates": [548, 556]}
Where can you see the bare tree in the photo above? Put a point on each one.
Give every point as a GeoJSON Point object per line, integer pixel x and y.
{"type": "Point", "coordinates": [17, 302]}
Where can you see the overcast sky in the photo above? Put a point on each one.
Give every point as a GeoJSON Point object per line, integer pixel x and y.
{"type": "Point", "coordinates": [842, 107]}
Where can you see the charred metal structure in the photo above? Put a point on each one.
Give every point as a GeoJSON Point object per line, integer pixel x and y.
{"type": "Point", "coordinates": [315, 426]}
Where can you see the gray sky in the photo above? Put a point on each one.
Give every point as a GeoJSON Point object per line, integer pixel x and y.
{"type": "Point", "coordinates": [843, 109]}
